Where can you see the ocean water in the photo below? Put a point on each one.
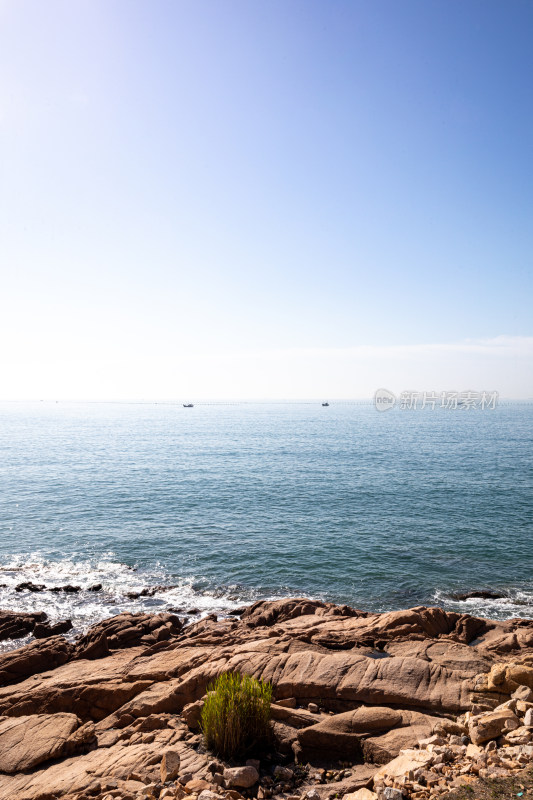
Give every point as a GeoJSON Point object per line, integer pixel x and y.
{"type": "Point", "coordinates": [224, 504]}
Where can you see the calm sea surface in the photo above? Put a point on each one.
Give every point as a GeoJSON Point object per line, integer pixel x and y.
{"type": "Point", "coordinates": [231, 503]}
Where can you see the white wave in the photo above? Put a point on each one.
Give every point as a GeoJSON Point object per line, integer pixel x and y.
{"type": "Point", "coordinates": [191, 597]}
{"type": "Point", "coordinates": [516, 603]}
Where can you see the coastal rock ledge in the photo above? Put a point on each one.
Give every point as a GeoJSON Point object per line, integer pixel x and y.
{"type": "Point", "coordinates": [406, 704]}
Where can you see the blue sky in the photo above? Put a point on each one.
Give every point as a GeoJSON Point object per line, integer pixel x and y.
{"type": "Point", "coordinates": [265, 199]}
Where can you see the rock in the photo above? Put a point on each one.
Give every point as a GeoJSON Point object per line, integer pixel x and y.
{"type": "Point", "coordinates": [381, 749]}
{"type": "Point", "coordinates": [524, 693]}
{"type": "Point", "coordinates": [507, 678]}
{"type": "Point", "coordinates": [33, 658]}
{"type": "Point", "coordinates": [377, 732]}
{"type": "Point", "coordinates": [482, 595]}
{"type": "Point", "coordinates": [435, 740]}
{"type": "Point", "coordinates": [27, 586]}
{"type": "Point", "coordinates": [196, 785]}
{"type": "Point", "coordinates": [15, 624]}
{"type": "Point", "coordinates": [408, 761]}
{"type": "Point", "coordinates": [282, 773]}
{"type": "Point", "coordinates": [206, 794]}
{"type": "Point", "coordinates": [192, 714]}
{"type": "Point", "coordinates": [490, 726]}
{"type": "Point", "coordinates": [128, 630]}
{"type": "Point", "coordinates": [240, 777]}
{"type": "Point", "coordinates": [528, 717]}
{"type": "Point", "coordinates": [510, 704]}
{"type": "Point", "coordinates": [289, 702]}
{"type": "Point", "coordinates": [28, 741]}
{"type": "Point", "coordinates": [522, 735]}
{"type": "Point", "coordinates": [170, 765]}
{"type": "Point", "coordinates": [312, 708]}
{"type": "Point", "coordinates": [130, 679]}
{"type": "Point", "coordinates": [361, 794]}
{"type": "Point", "coordinates": [43, 629]}
{"type": "Point", "coordinates": [285, 739]}
{"type": "Point", "coordinates": [297, 717]}
{"type": "Point", "coordinates": [391, 793]}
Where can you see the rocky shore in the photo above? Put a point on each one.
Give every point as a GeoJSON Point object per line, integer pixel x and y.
{"type": "Point", "coordinates": [407, 704]}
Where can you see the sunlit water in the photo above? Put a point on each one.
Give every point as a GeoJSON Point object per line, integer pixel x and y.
{"type": "Point", "coordinates": [231, 503]}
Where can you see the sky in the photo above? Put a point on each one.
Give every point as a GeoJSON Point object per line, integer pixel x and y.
{"type": "Point", "coordinates": [251, 199]}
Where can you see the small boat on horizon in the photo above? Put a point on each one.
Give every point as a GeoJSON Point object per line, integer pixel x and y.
{"type": "Point", "coordinates": [188, 405]}
{"type": "Point", "coordinates": [325, 404]}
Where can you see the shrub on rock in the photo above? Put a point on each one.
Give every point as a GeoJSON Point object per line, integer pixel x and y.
{"type": "Point", "coordinates": [235, 714]}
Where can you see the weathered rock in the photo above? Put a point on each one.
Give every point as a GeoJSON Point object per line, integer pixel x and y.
{"type": "Point", "coordinates": [192, 714]}
{"type": "Point", "coordinates": [76, 775]}
{"type": "Point", "coordinates": [43, 629]}
{"type": "Point", "coordinates": [490, 726]}
{"type": "Point", "coordinates": [368, 731]}
{"type": "Point", "coordinates": [206, 794]}
{"type": "Point", "coordinates": [521, 735]}
{"type": "Point", "coordinates": [240, 777]}
{"type": "Point", "coordinates": [391, 793]}
{"type": "Point", "coordinates": [507, 678]}
{"type": "Point", "coordinates": [15, 624]}
{"type": "Point", "coordinates": [197, 785]}
{"type": "Point", "coordinates": [34, 658]}
{"type": "Point", "coordinates": [482, 595]}
{"type": "Point", "coordinates": [361, 778]}
{"type": "Point", "coordinates": [28, 586]}
{"type": "Point", "coordinates": [170, 765]}
{"type": "Point", "coordinates": [92, 689]}
{"type": "Point", "coordinates": [406, 762]}
{"type": "Point", "coordinates": [282, 773]}
{"type": "Point", "coordinates": [524, 693]}
{"type": "Point", "coordinates": [361, 794]}
{"type": "Point", "coordinates": [129, 630]}
{"type": "Point", "coordinates": [26, 742]}
{"type": "Point", "coordinates": [369, 674]}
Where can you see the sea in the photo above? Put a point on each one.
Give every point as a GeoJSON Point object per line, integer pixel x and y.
{"type": "Point", "coordinates": [210, 508]}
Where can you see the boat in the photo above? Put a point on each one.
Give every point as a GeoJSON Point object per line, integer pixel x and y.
{"type": "Point", "coordinates": [325, 404]}
{"type": "Point", "coordinates": [188, 405]}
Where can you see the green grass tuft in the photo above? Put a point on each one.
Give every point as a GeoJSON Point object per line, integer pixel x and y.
{"type": "Point", "coordinates": [236, 713]}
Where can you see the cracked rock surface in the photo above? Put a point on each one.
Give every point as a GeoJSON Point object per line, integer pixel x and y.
{"type": "Point", "coordinates": [402, 704]}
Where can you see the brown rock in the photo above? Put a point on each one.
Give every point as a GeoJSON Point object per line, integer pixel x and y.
{"type": "Point", "coordinates": [368, 731]}
{"type": "Point", "coordinates": [197, 785]}
{"type": "Point", "coordinates": [43, 629]}
{"type": "Point", "coordinates": [361, 794]}
{"type": "Point", "coordinates": [240, 777]}
{"type": "Point", "coordinates": [372, 672]}
{"type": "Point", "coordinates": [192, 714]}
{"type": "Point", "coordinates": [26, 742]}
{"type": "Point", "coordinates": [490, 726]}
{"type": "Point", "coordinates": [406, 762]}
{"type": "Point", "coordinates": [524, 693]}
{"type": "Point", "coordinates": [33, 658]}
{"type": "Point", "coordinates": [127, 630]}
{"type": "Point", "coordinates": [170, 765]}
{"type": "Point", "coordinates": [15, 624]}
